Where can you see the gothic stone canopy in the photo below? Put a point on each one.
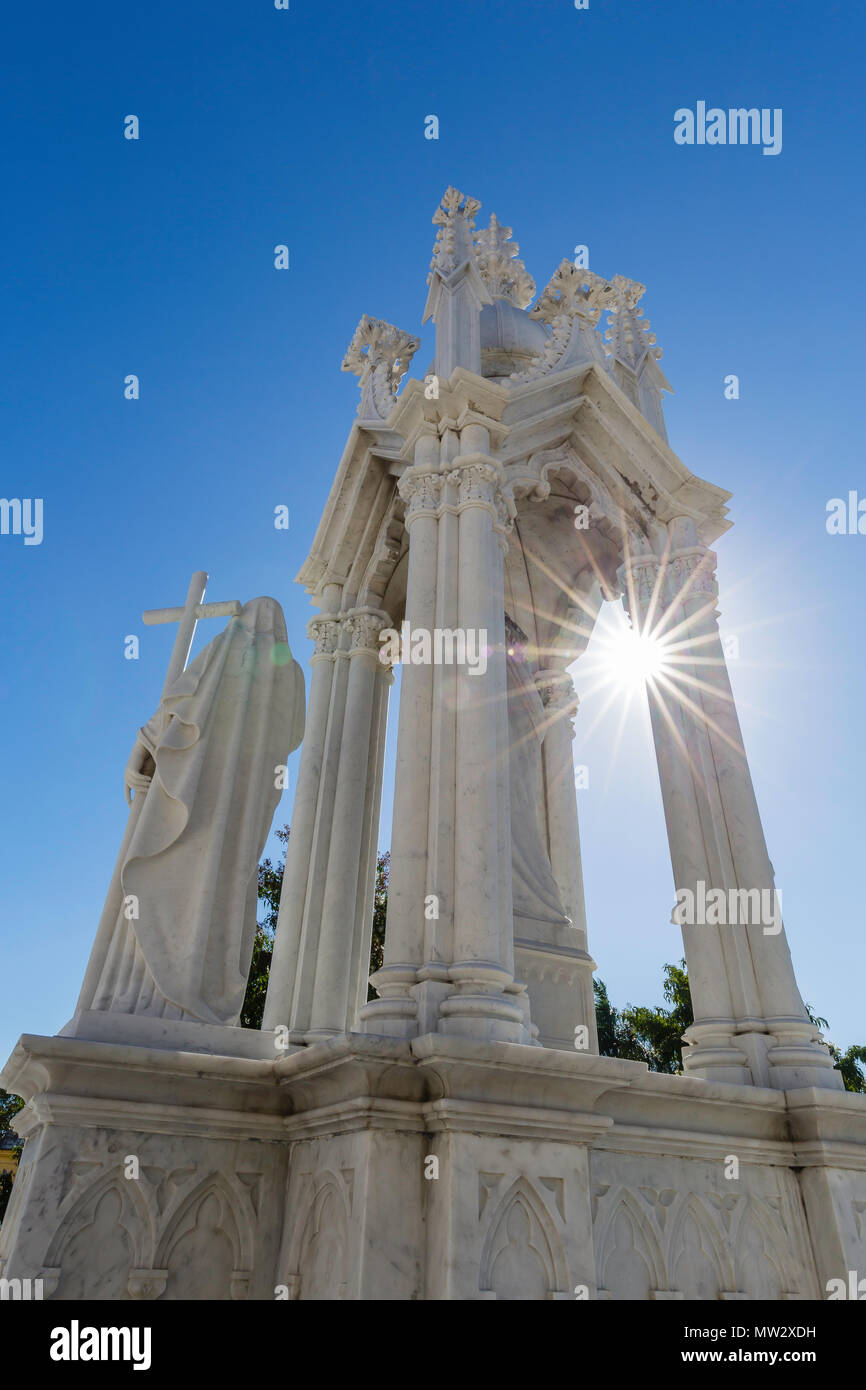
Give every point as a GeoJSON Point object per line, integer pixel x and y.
{"type": "Point", "coordinates": [570, 390]}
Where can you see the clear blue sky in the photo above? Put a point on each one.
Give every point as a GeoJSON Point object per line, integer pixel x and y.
{"type": "Point", "coordinates": [305, 127]}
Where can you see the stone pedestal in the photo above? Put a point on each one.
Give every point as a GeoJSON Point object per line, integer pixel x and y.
{"type": "Point", "coordinates": [147, 1172]}
{"type": "Point", "coordinates": [441, 1168]}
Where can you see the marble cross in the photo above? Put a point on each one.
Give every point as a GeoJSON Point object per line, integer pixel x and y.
{"type": "Point", "coordinates": [187, 617]}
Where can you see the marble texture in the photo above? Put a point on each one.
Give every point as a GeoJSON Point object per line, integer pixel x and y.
{"type": "Point", "coordinates": [176, 938]}
{"type": "Point", "coordinates": [445, 1140]}
{"type": "Point", "coordinates": [309, 1176]}
{"type": "Point", "coordinates": [534, 484]}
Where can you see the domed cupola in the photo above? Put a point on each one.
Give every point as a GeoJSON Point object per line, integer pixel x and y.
{"type": "Point", "coordinates": [510, 339]}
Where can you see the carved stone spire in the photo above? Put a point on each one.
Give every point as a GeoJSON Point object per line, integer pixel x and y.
{"type": "Point", "coordinates": [457, 291]}
{"type": "Point", "coordinates": [379, 354]}
{"type": "Point", "coordinates": [455, 218]}
{"type": "Point", "coordinates": [629, 340]}
{"type": "Point", "coordinates": [502, 271]}
{"type": "Point", "coordinates": [633, 354]}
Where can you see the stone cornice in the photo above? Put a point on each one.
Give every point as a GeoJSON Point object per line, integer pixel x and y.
{"type": "Point", "coordinates": [149, 1117]}
{"type": "Point", "coordinates": [518, 1121]}
{"type": "Point", "coordinates": [463, 398]}
{"type": "Point", "coordinates": [436, 1082]}
{"type": "Point", "coordinates": [709, 1147]}
{"type": "Point", "coordinates": [355, 1114]}
{"type": "Point", "coordinates": [581, 405]}
{"type": "Point", "coordinates": [72, 1081]}
{"type": "Point", "coordinates": [567, 403]}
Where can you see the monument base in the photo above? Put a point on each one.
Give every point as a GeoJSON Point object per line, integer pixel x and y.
{"type": "Point", "coordinates": [377, 1169]}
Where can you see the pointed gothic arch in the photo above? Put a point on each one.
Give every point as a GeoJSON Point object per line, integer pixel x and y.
{"type": "Point", "coordinates": [136, 1217]}
{"type": "Point", "coordinates": [693, 1213]}
{"type": "Point", "coordinates": [623, 1206]}
{"type": "Point", "coordinates": [319, 1245]}
{"type": "Point", "coordinates": [214, 1223]}
{"type": "Point", "coordinates": [235, 1214]}
{"type": "Point", "coordinates": [538, 1236]}
{"type": "Point", "coordinates": [762, 1260]}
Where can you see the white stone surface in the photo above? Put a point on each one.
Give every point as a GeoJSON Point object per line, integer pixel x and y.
{"type": "Point", "coordinates": [446, 1140]}
{"type": "Point", "coordinates": [310, 1177]}
{"type": "Point", "coordinates": [177, 934]}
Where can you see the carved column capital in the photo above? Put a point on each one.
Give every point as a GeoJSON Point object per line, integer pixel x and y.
{"type": "Point", "coordinates": [470, 484]}
{"type": "Point", "coordinates": [363, 626]}
{"type": "Point", "coordinates": [641, 587]}
{"type": "Point", "coordinates": [691, 574]}
{"type": "Point", "coordinates": [685, 577]}
{"type": "Point", "coordinates": [325, 632]}
{"type": "Point", "coordinates": [558, 695]}
{"type": "Point", "coordinates": [421, 492]}
{"type": "Point", "coordinates": [480, 483]}
{"type": "Point", "coordinates": [475, 482]}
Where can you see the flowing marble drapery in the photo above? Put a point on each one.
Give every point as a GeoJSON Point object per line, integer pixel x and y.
{"type": "Point", "coordinates": [206, 767]}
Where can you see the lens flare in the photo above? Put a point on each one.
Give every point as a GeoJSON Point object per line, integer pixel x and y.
{"type": "Point", "coordinates": [633, 658]}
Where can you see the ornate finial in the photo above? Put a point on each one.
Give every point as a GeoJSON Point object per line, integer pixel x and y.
{"type": "Point", "coordinates": [570, 304]}
{"type": "Point", "coordinates": [632, 353]}
{"type": "Point", "coordinates": [573, 291]}
{"type": "Point", "coordinates": [455, 201]}
{"type": "Point", "coordinates": [502, 271]}
{"type": "Point", "coordinates": [455, 218]}
{"type": "Point", "coordinates": [380, 355]}
{"type": "Point", "coordinates": [629, 340]}
{"type": "Point", "coordinates": [456, 290]}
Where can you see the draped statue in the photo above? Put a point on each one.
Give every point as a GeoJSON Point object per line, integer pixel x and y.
{"type": "Point", "coordinates": [176, 936]}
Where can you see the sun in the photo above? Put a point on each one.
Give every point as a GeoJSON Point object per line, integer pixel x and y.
{"type": "Point", "coordinates": [632, 659]}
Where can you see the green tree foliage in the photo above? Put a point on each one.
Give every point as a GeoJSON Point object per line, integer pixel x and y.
{"type": "Point", "coordinates": [270, 887]}
{"type": "Point", "coordinates": [6, 1181]}
{"type": "Point", "coordinates": [640, 1033]}
{"type": "Point", "coordinates": [9, 1107]}
{"type": "Point", "coordinates": [615, 1037]}
{"type": "Point", "coordinates": [380, 907]}
{"type": "Point", "coordinates": [849, 1063]}
{"type": "Point", "coordinates": [660, 1030]}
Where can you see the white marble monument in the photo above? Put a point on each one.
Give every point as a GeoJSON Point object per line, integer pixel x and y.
{"type": "Point", "coordinates": [448, 1139]}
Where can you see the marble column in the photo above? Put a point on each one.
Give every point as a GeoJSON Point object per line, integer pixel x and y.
{"type": "Point", "coordinates": [484, 1000]}
{"type": "Point", "coordinates": [318, 967]}
{"type": "Point", "coordinates": [395, 1012]}
{"type": "Point", "coordinates": [750, 1023]}
{"type": "Point", "coordinates": [563, 833]}
{"type": "Point", "coordinates": [449, 941]}
{"type": "Point", "coordinates": [335, 984]}
{"type": "Point", "coordinates": [325, 631]}
{"type": "Point", "coordinates": [433, 977]}
{"type": "Point", "coordinates": [362, 939]}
